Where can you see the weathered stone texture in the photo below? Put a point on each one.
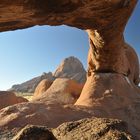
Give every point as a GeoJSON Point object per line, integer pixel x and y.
{"type": "Point", "coordinates": [111, 89]}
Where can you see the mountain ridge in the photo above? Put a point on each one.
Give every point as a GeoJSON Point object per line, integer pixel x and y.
{"type": "Point", "coordinates": [71, 67]}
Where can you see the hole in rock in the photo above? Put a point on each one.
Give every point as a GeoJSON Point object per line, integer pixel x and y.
{"type": "Point", "coordinates": [25, 54]}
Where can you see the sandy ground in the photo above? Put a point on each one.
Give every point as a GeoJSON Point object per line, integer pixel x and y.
{"type": "Point", "coordinates": [28, 96]}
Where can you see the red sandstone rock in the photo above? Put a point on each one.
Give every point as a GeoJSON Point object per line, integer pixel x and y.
{"type": "Point", "coordinates": [8, 98]}
{"type": "Point", "coordinates": [134, 70]}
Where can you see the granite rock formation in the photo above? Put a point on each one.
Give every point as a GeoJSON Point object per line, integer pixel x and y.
{"type": "Point", "coordinates": [8, 98]}
{"type": "Point", "coordinates": [50, 114]}
{"type": "Point", "coordinates": [93, 129]}
{"type": "Point", "coordinates": [42, 87]}
{"type": "Point", "coordinates": [32, 132]}
{"type": "Point", "coordinates": [63, 90]}
{"type": "Point", "coordinates": [86, 129]}
{"type": "Point", "coordinates": [104, 21]}
{"type": "Point", "coordinates": [71, 68]}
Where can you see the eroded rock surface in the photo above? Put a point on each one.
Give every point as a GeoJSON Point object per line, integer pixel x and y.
{"type": "Point", "coordinates": [93, 129]}
{"type": "Point", "coordinates": [31, 132]}
{"type": "Point", "coordinates": [105, 21]}
{"type": "Point", "coordinates": [134, 68]}
{"type": "Point", "coordinates": [89, 14]}
{"type": "Point", "coordinates": [86, 129]}
{"type": "Point", "coordinates": [52, 114]}
{"type": "Point", "coordinates": [15, 117]}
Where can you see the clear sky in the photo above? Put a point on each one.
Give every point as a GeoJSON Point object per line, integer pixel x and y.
{"type": "Point", "coordinates": [27, 53]}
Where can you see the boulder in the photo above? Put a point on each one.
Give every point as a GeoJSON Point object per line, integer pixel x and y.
{"type": "Point", "coordinates": [52, 114]}
{"type": "Point", "coordinates": [9, 98]}
{"type": "Point", "coordinates": [32, 132]}
{"type": "Point", "coordinates": [93, 129]}
{"type": "Point", "coordinates": [42, 87]}
{"type": "Point", "coordinates": [85, 129]}
{"type": "Point", "coordinates": [103, 89]}
{"type": "Point", "coordinates": [71, 68]}
{"type": "Point", "coordinates": [63, 90]}
{"type": "Point", "coordinates": [13, 118]}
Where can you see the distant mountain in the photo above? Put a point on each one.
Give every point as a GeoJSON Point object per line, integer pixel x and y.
{"type": "Point", "coordinates": [70, 67]}
{"type": "Point", "coordinates": [29, 86]}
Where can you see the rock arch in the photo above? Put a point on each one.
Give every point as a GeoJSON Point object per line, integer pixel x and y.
{"type": "Point", "coordinates": [101, 19]}
{"type": "Point", "coordinates": [111, 88]}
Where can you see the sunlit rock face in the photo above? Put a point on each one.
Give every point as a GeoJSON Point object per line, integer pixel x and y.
{"type": "Point", "coordinates": [112, 75]}
{"type": "Point", "coordinates": [42, 87]}
{"type": "Point", "coordinates": [71, 68]}
{"type": "Point", "coordinates": [62, 90]}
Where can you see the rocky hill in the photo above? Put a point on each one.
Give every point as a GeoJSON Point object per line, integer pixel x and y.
{"type": "Point", "coordinates": [30, 85]}
{"type": "Point", "coordinates": [70, 67]}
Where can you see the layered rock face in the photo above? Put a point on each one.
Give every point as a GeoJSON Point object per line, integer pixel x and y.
{"type": "Point", "coordinates": [111, 88]}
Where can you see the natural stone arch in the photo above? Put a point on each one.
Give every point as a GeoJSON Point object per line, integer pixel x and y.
{"type": "Point", "coordinates": [104, 20]}
{"type": "Point", "coordinates": [110, 89]}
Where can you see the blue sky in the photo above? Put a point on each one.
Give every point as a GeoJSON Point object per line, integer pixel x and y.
{"type": "Point", "coordinates": [27, 53]}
